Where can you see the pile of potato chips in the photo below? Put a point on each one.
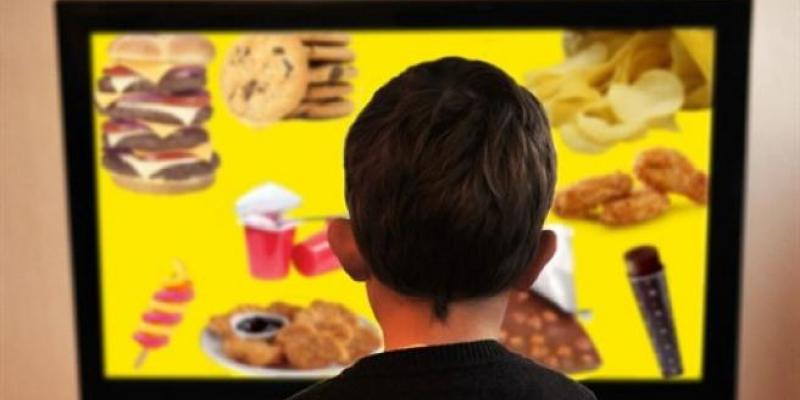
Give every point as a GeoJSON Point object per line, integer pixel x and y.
{"type": "Point", "coordinates": [615, 85]}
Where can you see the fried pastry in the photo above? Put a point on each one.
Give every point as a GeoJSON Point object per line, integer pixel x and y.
{"type": "Point", "coordinates": [640, 206]}
{"type": "Point", "coordinates": [669, 171]}
{"type": "Point", "coordinates": [582, 198]}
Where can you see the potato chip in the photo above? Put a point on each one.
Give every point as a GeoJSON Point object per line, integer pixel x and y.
{"type": "Point", "coordinates": [700, 44]}
{"type": "Point", "coordinates": [564, 111]}
{"type": "Point", "coordinates": [577, 40]}
{"type": "Point", "coordinates": [695, 84]}
{"type": "Point", "coordinates": [595, 54]}
{"type": "Point", "coordinates": [602, 126]}
{"type": "Point", "coordinates": [615, 85]}
{"type": "Point", "coordinates": [638, 54]}
{"type": "Point", "coordinates": [667, 123]}
{"type": "Point", "coordinates": [657, 93]}
{"type": "Point", "coordinates": [575, 139]}
{"type": "Point", "coordinates": [632, 67]}
{"type": "Point", "coordinates": [545, 85]}
{"type": "Point", "coordinates": [698, 98]}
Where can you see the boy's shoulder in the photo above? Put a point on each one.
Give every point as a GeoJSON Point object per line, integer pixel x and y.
{"type": "Point", "coordinates": [515, 377]}
{"type": "Point", "coordinates": [551, 384]}
{"type": "Point", "coordinates": [338, 387]}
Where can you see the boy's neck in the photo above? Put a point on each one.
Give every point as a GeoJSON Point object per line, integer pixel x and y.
{"type": "Point", "coordinates": [408, 322]}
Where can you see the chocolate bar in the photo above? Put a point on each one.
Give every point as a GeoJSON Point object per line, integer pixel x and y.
{"type": "Point", "coordinates": [646, 274]}
{"type": "Point", "coordinates": [536, 328]}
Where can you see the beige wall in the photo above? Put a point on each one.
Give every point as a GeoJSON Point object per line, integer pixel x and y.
{"type": "Point", "coordinates": [37, 354]}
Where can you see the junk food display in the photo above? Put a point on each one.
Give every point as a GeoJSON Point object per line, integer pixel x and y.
{"type": "Point", "coordinates": [224, 150]}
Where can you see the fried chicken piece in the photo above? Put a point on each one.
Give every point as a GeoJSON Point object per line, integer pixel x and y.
{"type": "Point", "coordinates": [331, 316]}
{"type": "Point", "coordinates": [668, 170]}
{"type": "Point", "coordinates": [365, 342]}
{"type": "Point", "coordinates": [336, 329]}
{"type": "Point", "coordinates": [306, 348]}
{"type": "Point", "coordinates": [252, 352]}
{"type": "Point", "coordinates": [220, 325]}
{"type": "Point", "coordinates": [287, 310]}
{"type": "Point", "coordinates": [326, 311]}
{"type": "Point", "coordinates": [640, 206]}
{"type": "Point", "coordinates": [321, 335]}
{"type": "Point", "coordinates": [247, 308]}
{"type": "Point", "coordinates": [582, 198]}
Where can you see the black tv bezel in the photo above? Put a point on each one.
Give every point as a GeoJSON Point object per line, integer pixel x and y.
{"type": "Point", "coordinates": [731, 19]}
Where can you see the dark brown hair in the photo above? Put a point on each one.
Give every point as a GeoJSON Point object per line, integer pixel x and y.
{"type": "Point", "coordinates": [450, 171]}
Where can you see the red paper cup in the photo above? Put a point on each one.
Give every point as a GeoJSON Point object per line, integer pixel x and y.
{"type": "Point", "coordinates": [314, 255]}
{"type": "Point", "coordinates": [269, 251]}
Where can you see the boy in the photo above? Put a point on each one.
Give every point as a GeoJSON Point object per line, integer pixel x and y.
{"type": "Point", "coordinates": [450, 172]}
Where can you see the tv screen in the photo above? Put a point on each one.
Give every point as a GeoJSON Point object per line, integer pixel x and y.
{"type": "Point", "coordinates": [215, 161]}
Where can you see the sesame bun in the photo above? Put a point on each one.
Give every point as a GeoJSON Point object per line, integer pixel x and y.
{"type": "Point", "coordinates": [166, 48]}
{"type": "Point", "coordinates": [138, 184]}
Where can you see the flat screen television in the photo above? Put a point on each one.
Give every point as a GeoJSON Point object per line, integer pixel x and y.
{"type": "Point", "coordinates": [204, 147]}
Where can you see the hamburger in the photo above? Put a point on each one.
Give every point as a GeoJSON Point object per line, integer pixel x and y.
{"type": "Point", "coordinates": [154, 94]}
{"type": "Point", "coordinates": [142, 160]}
{"type": "Point", "coordinates": [151, 63]}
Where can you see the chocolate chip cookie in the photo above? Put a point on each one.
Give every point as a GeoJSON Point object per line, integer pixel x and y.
{"type": "Point", "coordinates": [264, 77]}
{"type": "Point", "coordinates": [323, 109]}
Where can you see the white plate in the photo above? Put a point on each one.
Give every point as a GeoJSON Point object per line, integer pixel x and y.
{"type": "Point", "coordinates": [212, 346]}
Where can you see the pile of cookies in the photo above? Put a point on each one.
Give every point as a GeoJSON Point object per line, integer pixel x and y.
{"type": "Point", "coordinates": [612, 200]}
{"type": "Point", "coordinates": [269, 77]}
{"type": "Point", "coordinates": [329, 75]}
{"type": "Point", "coordinates": [322, 335]}
{"type": "Point", "coordinates": [536, 328]}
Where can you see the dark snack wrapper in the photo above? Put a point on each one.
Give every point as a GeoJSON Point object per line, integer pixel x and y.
{"type": "Point", "coordinates": [536, 328]}
{"type": "Point", "coordinates": [646, 275]}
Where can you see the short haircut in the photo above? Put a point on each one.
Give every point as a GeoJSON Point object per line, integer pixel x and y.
{"type": "Point", "coordinates": [449, 173]}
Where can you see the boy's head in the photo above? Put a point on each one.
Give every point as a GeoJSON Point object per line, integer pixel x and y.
{"type": "Point", "coordinates": [450, 172]}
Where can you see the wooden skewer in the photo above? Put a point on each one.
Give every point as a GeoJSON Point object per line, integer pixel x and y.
{"type": "Point", "coordinates": [140, 359]}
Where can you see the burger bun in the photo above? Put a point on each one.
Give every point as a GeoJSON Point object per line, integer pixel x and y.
{"type": "Point", "coordinates": [141, 185]}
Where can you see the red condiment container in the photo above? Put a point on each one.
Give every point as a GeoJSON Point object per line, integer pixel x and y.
{"type": "Point", "coordinates": [269, 250]}
{"type": "Point", "coordinates": [314, 255]}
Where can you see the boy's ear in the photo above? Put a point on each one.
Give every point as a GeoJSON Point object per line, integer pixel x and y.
{"type": "Point", "coordinates": [544, 252]}
{"type": "Point", "coordinates": [343, 244]}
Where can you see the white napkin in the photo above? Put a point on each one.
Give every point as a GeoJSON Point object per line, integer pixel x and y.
{"type": "Point", "coordinates": [557, 281]}
{"type": "Point", "coordinates": [269, 198]}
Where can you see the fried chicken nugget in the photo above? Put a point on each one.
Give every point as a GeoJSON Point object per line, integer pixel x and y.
{"type": "Point", "coordinates": [640, 206]}
{"type": "Point", "coordinates": [306, 348]}
{"type": "Point", "coordinates": [583, 197]}
{"type": "Point", "coordinates": [365, 342]}
{"type": "Point", "coordinates": [328, 310]}
{"type": "Point", "coordinates": [336, 329]}
{"type": "Point", "coordinates": [668, 170]}
{"type": "Point", "coordinates": [330, 320]}
{"type": "Point", "coordinates": [252, 352]}
{"type": "Point", "coordinates": [285, 309]}
{"type": "Point", "coordinates": [220, 325]}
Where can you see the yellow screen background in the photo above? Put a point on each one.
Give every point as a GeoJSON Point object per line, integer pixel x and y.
{"type": "Point", "coordinates": [141, 234]}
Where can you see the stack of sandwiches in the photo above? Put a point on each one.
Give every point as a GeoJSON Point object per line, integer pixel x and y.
{"type": "Point", "coordinates": [153, 93]}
